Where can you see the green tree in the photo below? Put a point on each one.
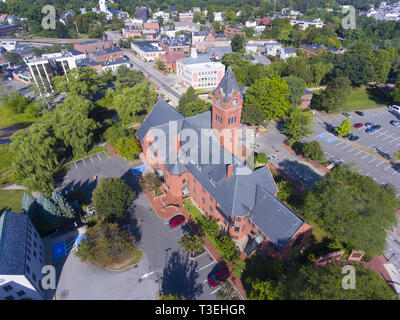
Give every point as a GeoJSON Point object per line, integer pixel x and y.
{"type": "Point", "coordinates": [150, 182]}
{"type": "Point", "coordinates": [349, 207]}
{"type": "Point", "coordinates": [334, 96]}
{"type": "Point", "coordinates": [271, 96]}
{"type": "Point", "coordinates": [82, 81]}
{"type": "Point", "coordinates": [36, 157]}
{"type": "Point", "coordinates": [105, 244]}
{"type": "Point", "coordinates": [127, 77]}
{"type": "Point", "coordinates": [380, 63]}
{"type": "Point", "coordinates": [160, 65]}
{"type": "Point", "coordinates": [116, 132]}
{"type": "Point", "coordinates": [345, 128]}
{"type": "Point", "coordinates": [72, 125]}
{"type": "Point", "coordinates": [260, 159]}
{"type": "Point", "coordinates": [131, 102]}
{"type": "Point", "coordinates": [252, 115]}
{"type": "Point", "coordinates": [298, 124]}
{"type": "Point", "coordinates": [112, 197]}
{"type": "Point", "coordinates": [195, 107]}
{"type": "Point", "coordinates": [263, 290]}
{"type": "Point", "coordinates": [15, 102]}
{"type": "Point", "coordinates": [237, 42]}
{"type": "Point", "coordinates": [128, 147]}
{"type": "Point", "coordinates": [313, 151]}
{"type": "Point", "coordinates": [297, 87]}
{"type": "Point", "coordinates": [188, 97]}
{"type": "Point", "coordinates": [192, 243]}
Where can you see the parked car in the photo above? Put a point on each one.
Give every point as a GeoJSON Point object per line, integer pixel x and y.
{"type": "Point", "coordinates": [395, 123]}
{"type": "Point", "coordinates": [376, 127]}
{"type": "Point", "coordinates": [394, 108]}
{"type": "Point", "coordinates": [348, 115]}
{"type": "Point", "coordinates": [370, 130]}
{"type": "Point", "coordinates": [216, 279]}
{"type": "Point", "coordinates": [369, 124]}
{"type": "Point", "coordinates": [360, 113]}
{"type": "Point", "coordinates": [358, 125]}
{"type": "Point", "coordinates": [352, 137]}
{"type": "Point", "coordinates": [176, 221]}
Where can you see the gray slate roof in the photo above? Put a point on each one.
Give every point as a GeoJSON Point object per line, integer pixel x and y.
{"type": "Point", "coordinates": [220, 51]}
{"type": "Point", "coordinates": [13, 232]}
{"type": "Point", "coordinates": [228, 85]}
{"type": "Point", "coordinates": [244, 192]}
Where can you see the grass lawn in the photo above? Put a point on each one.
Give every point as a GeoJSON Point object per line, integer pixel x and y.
{"type": "Point", "coordinates": [129, 261]}
{"type": "Point", "coordinates": [5, 158]}
{"type": "Point", "coordinates": [11, 200]}
{"type": "Point", "coordinates": [7, 118]}
{"type": "Point", "coordinates": [362, 98]}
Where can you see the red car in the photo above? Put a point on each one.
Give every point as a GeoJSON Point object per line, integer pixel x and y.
{"type": "Point", "coordinates": [216, 279]}
{"type": "Point", "coordinates": [358, 125]}
{"type": "Point", "coordinates": [176, 221]}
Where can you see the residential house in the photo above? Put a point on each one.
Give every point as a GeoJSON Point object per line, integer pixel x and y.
{"type": "Point", "coordinates": [187, 26]}
{"type": "Point", "coordinates": [242, 201]}
{"type": "Point", "coordinates": [218, 16]}
{"type": "Point", "coordinates": [230, 31]}
{"type": "Point", "coordinates": [217, 53]}
{"type": "Point", "coordinates": [312, 49]}
{"type": "Point", "coordinates": [186, 16]}
{"type": "Point", "coordinates": [203, 40]}
{"type": "Point", "coordinates": [163, 15]}
{"type": "Point", "coordinates": [304, 24]}
{"type": "Point", "coordinates": [142, 13]}
{"type": "Point", "coordinates": [288, 52]}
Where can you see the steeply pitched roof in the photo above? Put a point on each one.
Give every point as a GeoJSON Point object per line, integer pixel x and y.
{"type": "Point", "coordinates": [13, 232]}
{"type": "Point", "coordinates": [228, 85]}
{"type": "Point", "coordinates": [162, 113]}
{"type": "Point", "coordinates": [275, 219]}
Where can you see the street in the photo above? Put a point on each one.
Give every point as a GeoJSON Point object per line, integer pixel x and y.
{"type": "Point", "coordinates": [162, 81]}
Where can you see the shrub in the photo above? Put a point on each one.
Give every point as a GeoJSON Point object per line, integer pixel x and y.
{"type": "Point", "coordinates": [314, 151]}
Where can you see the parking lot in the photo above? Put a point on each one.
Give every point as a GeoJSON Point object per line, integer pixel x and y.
{"type": "Point", "coordinates": [86, 173]}
{"type": "Point", "coordinates": [383, 142]}
{"type": "Point", "coordinates": [170, 265]}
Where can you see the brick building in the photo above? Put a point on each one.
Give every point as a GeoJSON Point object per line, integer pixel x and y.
{"type": "Point", "coordinates": [106, 55]}
{"type": "Point", "coordinates": [203, 40]}
{"type": "Point", "coordinates": [170, 60]}
{"type": "Point", "coordinates": [91, 46]}
{"type": "Point", "coordinates": [242, 201]}
{"type": "Point", "coordinates": [174, 45]}
{"type": "Point", "coordinates": [305, 100]}
{"type": "Point", "coordinates": [230, 31]}
{"type": "Point", "coordinates": [186, 16]}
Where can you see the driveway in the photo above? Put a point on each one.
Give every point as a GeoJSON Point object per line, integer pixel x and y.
{"type": "Point", "coordinates": [174, 271]}
{"type": "Point", "coordinates": [82, 173]}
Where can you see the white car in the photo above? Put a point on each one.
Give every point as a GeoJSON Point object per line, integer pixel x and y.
{"type": "Point", "coordinates": [394, 108]}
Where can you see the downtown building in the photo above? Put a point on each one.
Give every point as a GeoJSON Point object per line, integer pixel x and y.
{"type": "Point", "coordinates": [212, 172]}
{"type": "Point", "coordinates": [22, 256]}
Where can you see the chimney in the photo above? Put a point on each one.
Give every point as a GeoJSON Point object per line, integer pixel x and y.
{"type": "Point", "coordinates": [177, 144]}
{"type": "Point", "coordinates": [229, 170]}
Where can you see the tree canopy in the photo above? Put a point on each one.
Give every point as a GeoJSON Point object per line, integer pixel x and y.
{"type": "Point", "coordinates": [349, 206]}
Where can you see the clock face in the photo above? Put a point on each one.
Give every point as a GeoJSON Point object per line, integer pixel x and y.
{"type": "Point", "coordinates": [234, 102]}
{"type": "Point", "coordinates": [218, 100]}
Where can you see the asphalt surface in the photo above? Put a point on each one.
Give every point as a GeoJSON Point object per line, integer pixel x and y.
{"type": "Point", "coordinates": [158, 78]}
{"type": "Point", "coordinates": [171, 267]}
{"type": "Point", "coordinates": [383, 142]}
{"type": "Point", "coordinates": [165, 264]}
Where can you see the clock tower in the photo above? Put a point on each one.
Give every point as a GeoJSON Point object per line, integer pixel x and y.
{"type": "Point", "coordinates": [227, 107]}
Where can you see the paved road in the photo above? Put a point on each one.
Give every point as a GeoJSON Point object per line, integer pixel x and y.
{"type": "Point", "coordinates": [158, 78]}
{"type": "Point", "coordinates": [272, 145]}
{"type": "Point", "coordinates": [337, 149]}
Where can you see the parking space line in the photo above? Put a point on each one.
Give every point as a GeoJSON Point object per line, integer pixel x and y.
{"type": "Point", "coordinates": [387, 137]}
{"type": "Point", "coordinates": [351, 150]}
{"type": "Point", "coordinates": [380, 164]}
{"type": "Point", "coordinates": [99, 156]}
{"type": "Point", "coordinates": [216, 290]}
{"type": "Point", "coordinates": [339, 143]}
{"type": "Point", "coordinates": [345, 147]}
{"type": "Point", "coordinates": [91, 159]}
{"type": "Point", "coordinates": [205, 266]}
{"type": "Point", "coordinates": [366, 155]}
{"type": "Point", "coordinates": [84, 162]}
{"type": "Point", "coordinates": [358, 152]}
{"type": "Point", "coordinates": [75, 165]}
{"type": "Point", "coordinates": [387, 168]}
{"type": "Point", "coordinates": [372, 160]}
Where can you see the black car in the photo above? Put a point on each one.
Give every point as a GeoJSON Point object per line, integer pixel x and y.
{"type": "Point", "coordinates": [360, 113]}
{"type": "Point", "coordinates": [352, 137]}
{"type": "Point", "coordinates": [376, 127]}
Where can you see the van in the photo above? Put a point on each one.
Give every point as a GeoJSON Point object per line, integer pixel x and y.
{"type": "Point", "coordinates": [394, 108]}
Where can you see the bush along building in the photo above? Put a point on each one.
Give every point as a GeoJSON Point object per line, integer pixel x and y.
{"type": "Point", "coordinates": [195, 161]}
